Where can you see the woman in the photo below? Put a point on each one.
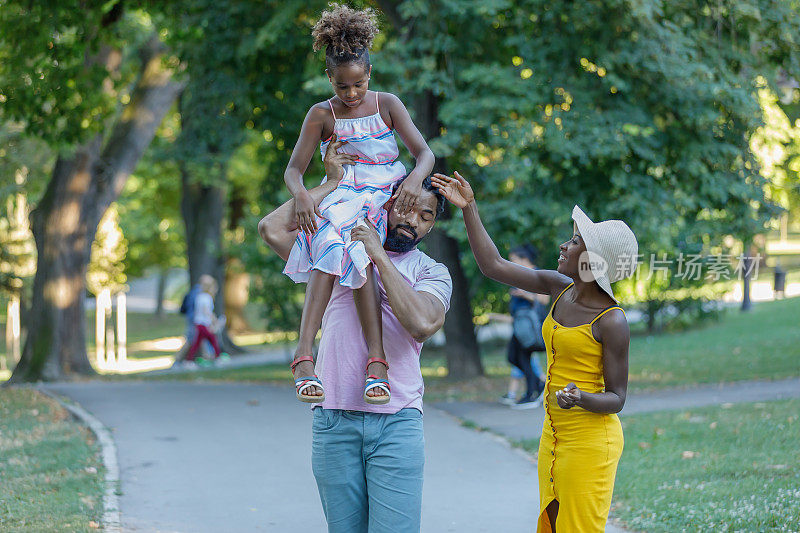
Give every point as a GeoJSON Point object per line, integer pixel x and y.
{"type": "Point", "coordinates": [586, 336]}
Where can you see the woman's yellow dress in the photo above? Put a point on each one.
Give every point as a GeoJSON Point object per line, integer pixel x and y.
{"type": "Point", "coordinates": [579, 450]}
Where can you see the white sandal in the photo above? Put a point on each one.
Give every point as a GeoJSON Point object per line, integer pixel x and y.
{"type": "Point", "coordinates": [304, 383]}
{"type": "Point", "coordinates": [374, 382]}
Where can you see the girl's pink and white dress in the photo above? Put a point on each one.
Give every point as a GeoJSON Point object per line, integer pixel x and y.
{"type": "Point", "coordinates": [362, 192]}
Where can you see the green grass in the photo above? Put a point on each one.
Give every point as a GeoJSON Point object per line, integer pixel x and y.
{"type": "Point", "coordinates": [141, 327]}
{"type": "Point", "coordinates": [50, 471]}
{"type": "Point", "coordinates": [712, 469]}
{"type": "Point", "coordinates": [761, 344]}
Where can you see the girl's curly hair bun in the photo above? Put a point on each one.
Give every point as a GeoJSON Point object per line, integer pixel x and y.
{"type": "Point", "coordinates": [345, 32]}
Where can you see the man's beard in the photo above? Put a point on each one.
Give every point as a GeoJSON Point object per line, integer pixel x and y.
{"type": "Point", "coordinates": [397, 242]}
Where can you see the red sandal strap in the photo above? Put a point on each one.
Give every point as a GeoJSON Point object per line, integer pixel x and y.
{"type": "Point", "coordinates": [377, 360]}
{"type": "Point", "coordinates": [300, 360]}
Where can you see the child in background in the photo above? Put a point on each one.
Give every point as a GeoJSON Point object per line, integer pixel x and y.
{"type": "Point", "coordinates": [205, 322]}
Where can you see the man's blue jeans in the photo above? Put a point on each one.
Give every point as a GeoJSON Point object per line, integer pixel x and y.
{"type": "Point", "coordinates": [369, 468]}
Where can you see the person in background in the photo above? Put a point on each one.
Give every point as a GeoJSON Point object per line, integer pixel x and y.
{"type": "Point", "coordinates": [205, 321]}
{"type": "Point", "coordinates": [187, 309]}
{"type": "Point", "coordinates": [516, 384]}
{"type": "Point", "coordinates": [521, 356]}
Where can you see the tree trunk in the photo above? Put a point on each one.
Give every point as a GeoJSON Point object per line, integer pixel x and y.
{"type": "Point", "coordinates": [65, 222]}
{"type": "Point", "coordinates": [203, 208]}
{"type": "Point", "coordinates": [652, 309]}
{"type": "Point", "coordinates": [237, 293]}
{"type": "Point", "coordinates": [237, 280]}
{"type": "Point", "coordinates": [747, 264]}
{"type": "Point", "coordinates": [461, 349]}
{"type": "Point", "coordinates": [163, 273]}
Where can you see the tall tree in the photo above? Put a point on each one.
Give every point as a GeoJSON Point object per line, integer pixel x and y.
{"type": "Point", "coordinates": [247, 63]}
{"type": "Point", "coordinates": [149, 212]}
{"type": "Point", "coordinates": [641, 112]}
{"type": "Point", "coordinates": [68, 91]}
{"type": "Point", "coordinates": [411, 28]}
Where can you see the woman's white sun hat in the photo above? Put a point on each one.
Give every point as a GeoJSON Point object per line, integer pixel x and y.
{"type": "Point", "coordinates": [611, 249]}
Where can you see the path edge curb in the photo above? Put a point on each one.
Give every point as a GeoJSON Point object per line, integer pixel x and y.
{"type": "Point", "coordinates": [111, 513]}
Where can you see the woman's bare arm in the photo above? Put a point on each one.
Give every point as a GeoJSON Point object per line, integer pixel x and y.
{"type": "Point", "coordinates": [615, 336]}
{"type": "Point", "coordinates": [458, 191]}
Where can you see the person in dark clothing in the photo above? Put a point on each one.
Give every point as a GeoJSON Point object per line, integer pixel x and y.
{"type": "Point", "coordinates": [519, 355]}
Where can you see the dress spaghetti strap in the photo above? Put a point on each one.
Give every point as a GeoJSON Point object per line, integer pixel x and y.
{"type": "Point", "coordinates": [606, 310]}
{"type": "Point", "coordinates": [378, 103]}
{"type": "Point", "coordinates": [332, 112]}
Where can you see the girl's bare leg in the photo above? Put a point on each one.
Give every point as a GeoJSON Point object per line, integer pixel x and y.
{"type": "Point", "coordinates": [318, 294]}
{"type": "Point", "coordinates": [368, 305]}
{"type": "Point", "coordinates": [279, 228]}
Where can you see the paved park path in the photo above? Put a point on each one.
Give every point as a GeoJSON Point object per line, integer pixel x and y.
{"type": "Point", "coordinates": [203, 457]}
{"type": "Point", "coordinates": [522, 425]}
{"type": "Point", "coordinates": [211, 457]}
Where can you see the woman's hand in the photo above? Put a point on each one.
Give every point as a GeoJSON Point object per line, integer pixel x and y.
{"type": "Point", "coordinates": [456, 189]}
{"type": "Point", "coordinates": [334, 161]}
{"type": "Point", "coordinates": [407, 195]}
{"type": "Point", "coordinates": [568, 397]}
{"type": "Point", "coordinates": [306, 212]}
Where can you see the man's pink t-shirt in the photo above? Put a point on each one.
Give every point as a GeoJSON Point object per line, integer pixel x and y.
{"type": "Point", "coordinates": [342, 357]}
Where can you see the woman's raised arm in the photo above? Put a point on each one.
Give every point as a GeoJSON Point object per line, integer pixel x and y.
{"type": "Point", "coordinates": [458, 191]}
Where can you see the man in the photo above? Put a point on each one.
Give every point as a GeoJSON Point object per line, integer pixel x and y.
{"type": "Point", "coordinates": [368, 459]}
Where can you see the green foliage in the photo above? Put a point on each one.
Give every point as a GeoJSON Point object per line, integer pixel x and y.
{"type": "Point", "coordinates": [642, 111]}
{"type": "Point", "coordinates": [638, 111]}
{"type": "Point", "coordinates": [543, 106]}
{"type": "Point", "coordinates": [59, 65]}
{"type": "Point", "coordinates": [23, 164]}
{"type": "Point", "coordinates": [106, 268]}
{"type": "Point", "coordinates": [149, 207]}
{"type": "Point", "coordinates": [281, 297]}
{"type": "Point", "coordinates": [777, 146]}
{"type": "Point", "coordinates": [240, 115]}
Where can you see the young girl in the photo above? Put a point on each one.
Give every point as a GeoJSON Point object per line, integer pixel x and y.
{"type": "Point", "coordinates": [204, 321]}
{"type": "Point", "coordinates": [363, 121]}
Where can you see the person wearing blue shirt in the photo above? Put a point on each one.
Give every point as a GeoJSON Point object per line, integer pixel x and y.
{"type": "Point", "coordinates": [518, 355]}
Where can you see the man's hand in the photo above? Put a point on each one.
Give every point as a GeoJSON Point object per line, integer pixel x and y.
{"type": "Point", "coordinates": [456, 189]}
{"type": "Point", "coordinates": [366, 233]}
{"type": "Point", "coordinates": [334, 161]}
